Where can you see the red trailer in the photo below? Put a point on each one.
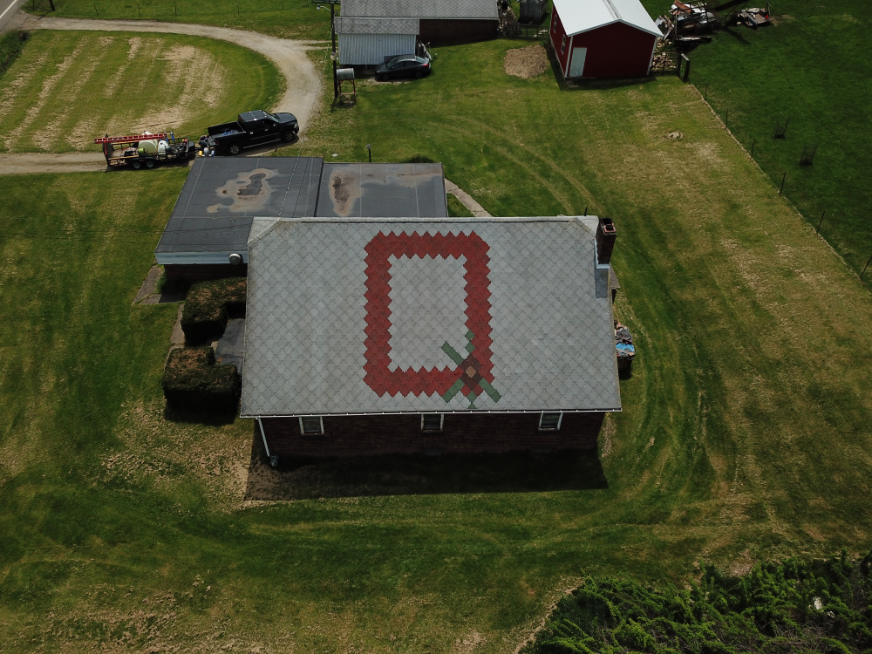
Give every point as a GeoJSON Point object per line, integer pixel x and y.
{"type": "Point", "coordinates": [603, 38]}
{"type": "Point", "coordinates": [145, 150]}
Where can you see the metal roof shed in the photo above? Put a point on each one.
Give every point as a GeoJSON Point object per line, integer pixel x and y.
{"type": "Point", "coordinates": [603, 38]}
{"type": "Point", "coordinates": [370, 41]}
{"type": "Point", "coordinates": [440, 21]}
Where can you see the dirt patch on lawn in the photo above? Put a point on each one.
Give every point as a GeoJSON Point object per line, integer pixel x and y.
{"type": "Point", "coordinates": [193, 78]}
{"type": "Point", "coordinates": [526, 62]}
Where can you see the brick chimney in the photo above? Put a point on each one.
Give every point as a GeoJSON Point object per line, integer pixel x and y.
{"type": "Point", "coordinates": [605, 240]}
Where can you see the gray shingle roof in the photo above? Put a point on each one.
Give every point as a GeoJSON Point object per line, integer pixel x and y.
{"type": "Point", "coordinates": [369, 316]}
{"type": "Point", "coordinates": [350, 25]}
{"type": "Point", "coordinates": [448, 9]}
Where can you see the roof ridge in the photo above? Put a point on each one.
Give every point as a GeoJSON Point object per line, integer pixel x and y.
{"type": "Point", "coordinates": [612, 10]}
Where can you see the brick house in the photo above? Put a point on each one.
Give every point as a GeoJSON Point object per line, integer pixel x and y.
{"type": "Point", "coordinates": [372, 336]}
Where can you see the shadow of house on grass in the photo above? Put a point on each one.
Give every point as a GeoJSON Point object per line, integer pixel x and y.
{"type": "Point", "coordinates": [420, 474]}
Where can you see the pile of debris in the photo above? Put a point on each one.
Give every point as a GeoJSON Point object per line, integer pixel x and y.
{"type": "Point", "coordinates": [687, 21]}
{"type": "Point", "coordinates": [624, 348]}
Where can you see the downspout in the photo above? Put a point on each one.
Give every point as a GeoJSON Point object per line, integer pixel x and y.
{"type": "Point", "coordinates": [263, 436]}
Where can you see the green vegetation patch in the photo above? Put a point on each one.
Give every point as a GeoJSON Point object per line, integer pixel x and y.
{"type": "Point", "coordinates": [794, 607]}
{"type": "Point", "coordinates": [812, 67]}
{"type": "Point", "coordinates": [69, 87]}
{"type": "Point", "coordinates": [11, 46]}
{"type": "Point", "coordinates": [744, 436]}
{"type": "Point", "coordinates": [208, 305]}
{"type": "Point", "coordinates": [289, 19]}
{"type": "Point", "coordinates": [456, 209]}
{"type": "Point", "coordinates": [191, 380]}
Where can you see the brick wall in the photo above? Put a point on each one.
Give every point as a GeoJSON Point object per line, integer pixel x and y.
{"type": "Point", "coordinates": [200, 272]}
{"type": "Point", "coordinates": [462, 433]}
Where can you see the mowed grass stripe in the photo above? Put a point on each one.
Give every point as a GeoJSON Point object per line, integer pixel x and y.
{"type": "Point", "coordinates": [69, 87]}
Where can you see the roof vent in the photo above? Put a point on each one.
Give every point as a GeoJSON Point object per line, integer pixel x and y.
{"type": "Point", "coordinates": [236, 258]}
{"type": "Point", "coordinates": [605, 240]}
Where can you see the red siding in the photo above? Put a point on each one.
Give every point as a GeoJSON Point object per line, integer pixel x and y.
{"type": "Point", "coordinates": [616, 50]}
{"type": "Point", "coordinates": [455, 31]}
{"type": "Point", "coordinates": [470, 433]}
{"type": "Point", "coordinates": [558, 34]}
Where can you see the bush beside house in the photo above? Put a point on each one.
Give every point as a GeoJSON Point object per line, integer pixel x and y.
{"type": "Point", "coordinates": [192, 381]}
{"type": "Point", "coordinates": [208, 306]}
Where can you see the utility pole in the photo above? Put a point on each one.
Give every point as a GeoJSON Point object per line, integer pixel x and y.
{"type": "Point", "coordinates": [333, 39]}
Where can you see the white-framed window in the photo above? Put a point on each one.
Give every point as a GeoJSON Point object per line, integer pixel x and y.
{"type": "Point", "coordinates": [563, 45]}
{"type": "Point", "coordinates": [311, 425]}
{"type": "Point", "coordinates": [550, 421]}
{"type": "Point", "coordinates": [432, 421]}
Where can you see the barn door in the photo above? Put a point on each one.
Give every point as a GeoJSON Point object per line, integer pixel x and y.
{"type": "Point", "coordinates": [576, 64]}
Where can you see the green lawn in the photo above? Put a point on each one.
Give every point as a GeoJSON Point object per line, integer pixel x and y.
{"type": "Point", "coordinates": [812, 67]}
{"type": "Point", "coordinates": [745, 432]}
{"type": "Point", "coordinates": [290, 19]}
{"type": "Point", "coordinates": [69, 87]}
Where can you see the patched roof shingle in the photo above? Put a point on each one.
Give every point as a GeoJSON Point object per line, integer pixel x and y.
{"type": "Point", "coordinates": [368, 316]}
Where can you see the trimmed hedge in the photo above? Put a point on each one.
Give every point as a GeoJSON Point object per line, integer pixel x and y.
{"type": "Point", "coordinates": [789, 607]}
{"type": "Point", "coordinates": [207, 306]}
{"type": "Point", "coordinates": [192, 381]}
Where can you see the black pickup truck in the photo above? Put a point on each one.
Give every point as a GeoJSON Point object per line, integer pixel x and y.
{"type": "Point", "coordinates": [251, 128]}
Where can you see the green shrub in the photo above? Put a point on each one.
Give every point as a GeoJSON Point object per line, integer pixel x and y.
{"type": "Point", "coordinates": [208, 305]}
{"type": "Point", "coordinates": [777, 608]}
{"type": "Point", "coordinates": [192, 381]}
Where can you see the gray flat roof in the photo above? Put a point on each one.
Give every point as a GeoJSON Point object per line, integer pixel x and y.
{"type": "Point", "coordinates": [213, 214]}
{"type": "Point", "coordinates": [352, 190]}
{"type": "Point", "coordinates": [221, 195]}
{"type": "Point", "coordinates": [443, 9]}
{"type": "Point", "coordinates": [452, 315]}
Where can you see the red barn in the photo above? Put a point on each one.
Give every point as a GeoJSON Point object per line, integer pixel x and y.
{"type": "Point", "coordinates": [603, 38]}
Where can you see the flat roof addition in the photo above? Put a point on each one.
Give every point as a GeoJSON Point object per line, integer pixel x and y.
{"type": "Point", "coordinates": [212, 217]}
{"type": "Point", "coordinates": [354, 190]}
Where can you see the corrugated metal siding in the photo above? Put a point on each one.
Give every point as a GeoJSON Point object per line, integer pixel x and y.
{"type": "Point", "coordinates": [371, 49]}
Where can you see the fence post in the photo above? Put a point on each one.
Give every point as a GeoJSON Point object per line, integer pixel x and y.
{"type": "Point", "coordinates": [821, 221]}
{"type": "Point", "coordinates": [753, 143]}
{"type": "Point", "coordinates": [686, 67]}
{"type": "Point", "coordinates": [783, 177]}
{"type": "Point", "coordinates": [866, 266]}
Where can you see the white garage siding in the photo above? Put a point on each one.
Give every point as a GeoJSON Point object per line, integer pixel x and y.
{"type": "Point", "coordinates": [371, 49]}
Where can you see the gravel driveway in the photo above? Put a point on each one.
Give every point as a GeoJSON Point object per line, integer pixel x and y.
{"type": "Point", "coordinates": [302, 95]}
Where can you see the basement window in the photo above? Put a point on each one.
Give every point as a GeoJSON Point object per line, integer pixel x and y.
{"type": "Point", "coordinates": [432, 421]}
{"type": "Point", "coordinates": [550, 421]}
{"type": "Point", "coordinates": [311, 425]}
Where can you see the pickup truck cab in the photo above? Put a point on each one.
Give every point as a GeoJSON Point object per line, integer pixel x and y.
{"type": "Point", "coordinates": [251, 128]}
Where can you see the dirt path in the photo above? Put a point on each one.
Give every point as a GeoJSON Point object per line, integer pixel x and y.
{"type": "Point", "coordinates": [302, 94]}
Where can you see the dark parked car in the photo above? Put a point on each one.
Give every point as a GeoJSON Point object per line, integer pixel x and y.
{"type": "Point", "coordinates": [251, 128]}
{"type": "Point", "coordinates": [403, 66]}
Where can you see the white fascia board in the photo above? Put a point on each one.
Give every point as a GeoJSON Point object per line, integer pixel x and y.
{"type": "Point", "coordinates": [201, 258]}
